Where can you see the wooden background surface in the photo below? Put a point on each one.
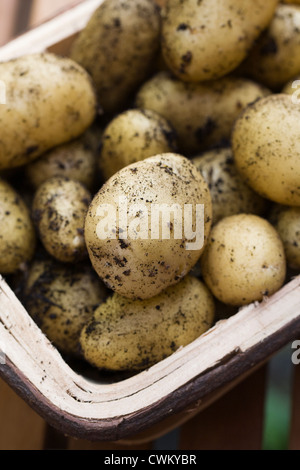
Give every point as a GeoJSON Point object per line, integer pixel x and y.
{"type": "Point", "coordinates": [239, 420]}
{"type": "Point", "coordinates": [17, 15]}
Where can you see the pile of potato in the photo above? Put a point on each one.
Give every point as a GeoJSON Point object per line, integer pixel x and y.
{"type": "Point", "coordinates": [182, 104]}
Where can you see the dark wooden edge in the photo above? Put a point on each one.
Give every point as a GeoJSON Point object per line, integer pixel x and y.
{"type": "Point", "coordinates": [23, 17]}
{"type": "Point", "coordinates": [25, 28]}
{"type": "Point", "coordinates": [231, 368]}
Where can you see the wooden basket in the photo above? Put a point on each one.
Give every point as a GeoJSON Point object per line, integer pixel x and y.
{"type": "Point", "coordinates": [167, 394]}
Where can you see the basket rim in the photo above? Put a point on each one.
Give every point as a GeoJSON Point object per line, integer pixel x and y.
{"type": "Point", "coordinates": [280, 313]}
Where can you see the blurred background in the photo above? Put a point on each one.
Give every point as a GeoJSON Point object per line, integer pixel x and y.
{"type": "Point", "coordinates": [17, 16]}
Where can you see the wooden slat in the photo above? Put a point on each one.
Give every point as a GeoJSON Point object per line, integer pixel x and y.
{"type": "Point", "coordinates": [21, 428]}
{"type": "Point", "coordinates": [8, 13]}
{"type": "Point", "coordinates": [42, 10]}
{"type": "Point", "coordinates": [86, 445]}
{"type": "Point", "coordinates": [234, 422]}
{"type": "Point", "coordinates": [141, 441]}
{"type": "Point", "coordinates": [54, 440]}
{"type": "Point", "coordinates": [23, 15]}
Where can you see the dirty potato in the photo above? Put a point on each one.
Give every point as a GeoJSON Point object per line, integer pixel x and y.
{"type": "Point", "coordinates": [286, 220]}
{"type": "Point", "coordinates": [136, 334]}
{"type": "Point", "coordinates": [202, 114]}
{"type": "Point", "coordinates": [148, 225]}
{"type": "Point", "coordinates": [17, 233]}
{"type": "Point", "coordinates": [133, 136]}
{"type": "Point", "coordinates": [274, 60]}
{"type": "Point", "coordinates": [59, 209]}
{"type": "Point", "coordinates": [76, 160]}
{"type": "Point", "coordinates": [230, 194]}
{"type": "Point", "coordinates": [203, 41]}
{"type": "Point", "coordinates": [50, 100]}
{"type": "Point", "coordinates": [118, 48]}
{"type": "Point", "coordinates": [266, 148]}
{"type": "Point", "coordinates": [62, 300]}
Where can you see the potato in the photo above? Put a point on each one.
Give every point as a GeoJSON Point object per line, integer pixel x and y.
{"type": "Point", "coordinates": [286, 220]}
{"type": "Point", "coordinates": [76, 160]}
{"type": "Point", "coordinates": [274, 60]}
{"type": "Point", "coordinates": [50, 100]}
{"type": "Point", "coordinates": [17, 233]}
{"type": "Point", "coordinates": [136, 334]}
{"type": "Point", "coordinates": [59, 209]}
{"type": "Point", "coordinates": [148, 225]}
{"type": "Point", "coordinates": [133, 136]}
{"type": "Point", "coordinates": [61, 300]}
{"type": "Point", "coordinates": [266, 148]}
{"type": "Point", "coordinates": [230, 195]}
{"type": "Point", "coordinates": [118, 48]}
{"type": "Point", "coordinates": [202, 42]}
{"type": "Point", "coordinates": [201, 114]}
{"type": "Point", "coordinates": [244, 260]}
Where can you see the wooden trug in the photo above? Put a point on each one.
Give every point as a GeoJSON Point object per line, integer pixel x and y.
{"type": "Point", "coordinates": [170, 392]}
